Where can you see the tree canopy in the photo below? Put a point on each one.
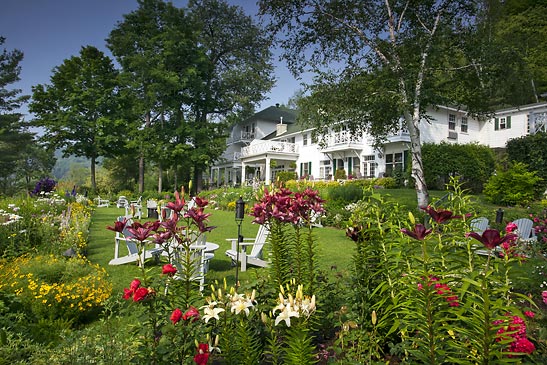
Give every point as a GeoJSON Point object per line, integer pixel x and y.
{"type": "Point", "coordinates": [79, 110]}
{"type": "Point", "coordinates": [392, 60]}
{"type": "Point", "coordinates": [189, 70]}
{"type": "Point", "coordinates": [16, 143]}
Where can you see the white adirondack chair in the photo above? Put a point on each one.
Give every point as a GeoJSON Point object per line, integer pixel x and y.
{"type": "Point", "coordinates": [479, 224]}
{"type": "Point", "coordinates": [255, 256]}
{"type": "Point", "coordinates": [198, 259]}
{"type": "Point", "coordinates": [525, 229]}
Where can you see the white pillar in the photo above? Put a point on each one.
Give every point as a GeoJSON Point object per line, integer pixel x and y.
{"type": "Point", "coordinates": [268, 176]}
{"type": "Point", "coordinates": [242, 173]}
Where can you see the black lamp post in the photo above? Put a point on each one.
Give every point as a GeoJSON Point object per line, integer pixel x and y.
{"type": "Point", "coordinates": [499, 215]}
{"type": "Point", "coordinates": [240, 213]}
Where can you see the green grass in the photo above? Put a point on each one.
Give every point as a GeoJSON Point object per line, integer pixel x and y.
{"type": "Point", "coordinates": [335, 250]}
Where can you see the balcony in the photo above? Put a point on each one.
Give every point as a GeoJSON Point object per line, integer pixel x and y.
{"type": "Point", "coordinates": [342, 140]}
{"type": "Point", "coordinates": [401, 136]}
{"type": "Point", "coordinates": [241, 137]}
{"type": "Point", "coordinates": [269, 147]}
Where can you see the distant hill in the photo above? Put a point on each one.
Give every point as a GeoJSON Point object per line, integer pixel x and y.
{"type": "Point", "coordinates": [63, 165]}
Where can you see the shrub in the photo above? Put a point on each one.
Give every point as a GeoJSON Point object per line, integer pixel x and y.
{"type": "Point", "coordinates": [515, 186]}
{"type": "Point", "coordinates": [53, 287]}
{"type": "Point", "coordinates": [340, 174]}
{"type": "Point", "coordinates": [471, 162]}
{"type": "Point", "coordinates": [530, 150]}
{"type": "Point", "coordinates": [284, 176]}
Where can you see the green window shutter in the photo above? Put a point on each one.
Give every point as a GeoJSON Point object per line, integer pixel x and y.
{"type": "Point", "coordinates": [350, 165]}
{"type": "Point", "coordinates": [496, 124]}
{"type": "Point", "coordinates": [309, 168]}
{"type": "Point", "coordinates": [508, 122]}
{"type": "Point", "coordinates": [334, 165]}
{"type": "Point", "coordinates": [301, 168]}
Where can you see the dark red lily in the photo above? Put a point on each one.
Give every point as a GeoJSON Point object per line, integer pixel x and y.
{"type": "Point", "coordinates": [140, 233]}
{"type": "Point", "coordinates": [118, 226]}
{"type": "Point", "coordinates": [491, 238]}
{"type": "Point", "coordinates": [419, 232]}
{"type": "Point", "coordinates": [440, 216]}
{"type": "Point", "coordinates": [178, 204]}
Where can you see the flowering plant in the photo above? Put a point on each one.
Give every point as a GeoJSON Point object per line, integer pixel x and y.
{"type": "Point", "coordinates": [290, 217]}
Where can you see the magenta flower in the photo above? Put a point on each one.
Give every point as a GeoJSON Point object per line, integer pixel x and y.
{"type": "Point", "coordinates": [419, 232]}
{"type": "Point", "coordinates": [511, 227]}
{"type": "Point", "coordinates": [140, 233]}
{"type": "Point", "coordinates": [491, 238]}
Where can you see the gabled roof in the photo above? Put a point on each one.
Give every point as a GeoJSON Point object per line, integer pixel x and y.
{"type": "Point", "coordinates": [274, 114]}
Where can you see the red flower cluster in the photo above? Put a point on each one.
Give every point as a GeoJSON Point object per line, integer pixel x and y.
{"type": "Point", "coordinates": [138, 292]}
{"type": "Point", "coordinates": [169, 269]}
{"type": "Point", "coordinates": [202, 357]}
{"type": "Point", "coordinates": [192, 313]}
{"type": "Point", "coordinates": [515, 329]}
{"type": "Point", "coordinates": [443, 290]}
{"type": "Point", "coordinates": [284, 206]}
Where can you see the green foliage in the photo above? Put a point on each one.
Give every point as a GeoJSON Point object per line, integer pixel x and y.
{"type": "Point", "coordinates": [78, 109]}
{"type": "Point", "coordinates": [473, 163]}
{"type": "Point", "coordinates": [530, 150]}
{"type": "Point", "coordinates": [340, 174]}
{"type": "Point", "coordinates": [515, 186]}
{"type": "Point", "coordinates": [284, 176]}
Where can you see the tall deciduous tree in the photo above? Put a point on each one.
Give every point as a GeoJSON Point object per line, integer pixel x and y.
{"type": "Point", "coordinates": [393, 60]}
{"type": "Point", "coordinates": [190, 69]}
{"type": "Point", "coordinates": [144, 43]}
{"type": "Point", "coordinates": [79, 110]}
{"type": "Point", "coordinates": [235, 73]}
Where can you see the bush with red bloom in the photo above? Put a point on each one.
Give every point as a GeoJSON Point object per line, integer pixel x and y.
{"type": "Point", "coordinates": [128, 293]}
{"type": "Point", "coordinates": [529, 314]}
{"type": "Point", "coordinates": [176, 316]}
{"type": "Point", "coordinates": [419, 232]}
{"type": "Point", "coordinates": [491, 238]}
{"type": "Point", "coordinates": [511, 227]}
{"type": "Point", "coordinates": [514, 330]}
{"type": "Point", "coordinates": [202, 357]}
{"type": "Point", "coordinates": [544, 296]}
{"type": "Point", "coordinates": [192, 313]}
{"type": "Point", "coordinates": [141, 294]}
{"type": "Point", "coordinates": [168, 269]}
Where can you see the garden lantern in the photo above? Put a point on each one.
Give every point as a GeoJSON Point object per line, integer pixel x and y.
{"type": "Point", "coordinates": [499, 216]}
{"type": "Point", "coordinates": [240, 213]}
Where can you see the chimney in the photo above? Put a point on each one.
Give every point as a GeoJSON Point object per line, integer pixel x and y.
{"type": "Point", "coordinates": [281, 128]}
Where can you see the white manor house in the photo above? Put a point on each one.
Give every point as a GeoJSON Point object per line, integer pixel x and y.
{"type": "Point", "coordinates": [270, 141]}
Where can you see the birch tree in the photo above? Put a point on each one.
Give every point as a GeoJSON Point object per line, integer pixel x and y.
{"type": "Point", "coordinates": [379, 62]}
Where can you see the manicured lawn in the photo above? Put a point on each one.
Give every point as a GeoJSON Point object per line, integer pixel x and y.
{"type": "Point", "coordinates": [335, 250]}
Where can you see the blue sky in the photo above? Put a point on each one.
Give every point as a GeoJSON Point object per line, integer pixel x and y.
{"type": "Point", "coordinates": [50, 31]}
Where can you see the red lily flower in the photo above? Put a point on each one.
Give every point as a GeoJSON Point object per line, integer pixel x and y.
{"type": "Point", "coordinates": [440, 216]}
{"type": "Point", "coordinates": [118, 226]}
{"type": "Point", "coordinates": [168, 269]}
{"type": "Point", "coordinates": [176, 316]}
{"type": "Point", "coordinates": [178, 204]}
{"type": "Point", "coordinates": [140, 233]}
{"type": "Point", "coordinates": [192, 313]}
{"type": "Point", "coordinates": [202, 357]}
{"type": "Point", "coordinates": [491, 238]}
{"type": "Point", "coordinates": [419, 232]}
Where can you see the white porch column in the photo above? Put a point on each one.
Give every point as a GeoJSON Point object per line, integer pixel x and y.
{"type": "Point", "coordinates": [242, 173]}
{"type": "Point", "coordinates": [268, 176]}
{"type": "Point", "coordinates": [226, 176]}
